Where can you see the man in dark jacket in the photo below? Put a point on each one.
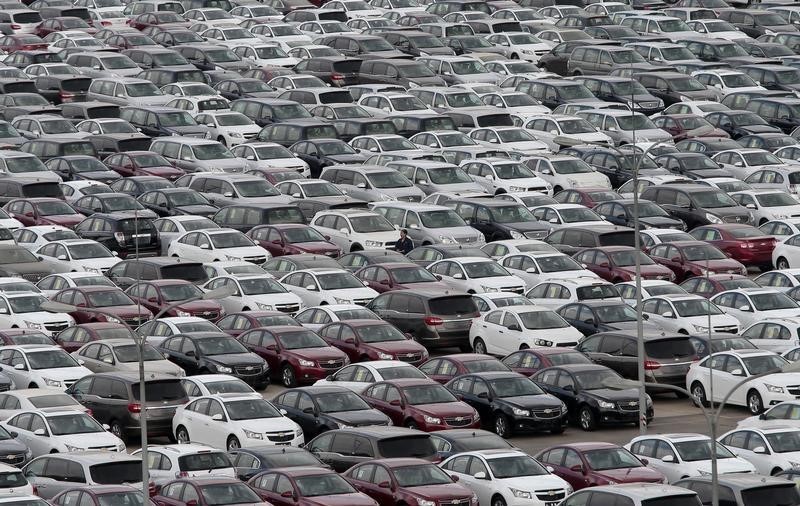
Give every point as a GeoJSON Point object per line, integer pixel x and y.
{"type": "Point", "coordinates": [404, 245]}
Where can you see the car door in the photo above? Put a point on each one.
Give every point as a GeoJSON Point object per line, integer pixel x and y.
{"type": "Point", "coordinates": [492, 331]}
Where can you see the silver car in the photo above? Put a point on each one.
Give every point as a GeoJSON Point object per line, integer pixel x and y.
{"type": "Point", "coordinates": [429, 224]}
{"type": "Point", "coordinates": [433, 177]}
{"type": "Point", "coordinates": [55, 473]}
{"type": "Point", "coordinates": [372, 183]}
{"type": "Point", "coordinates": [120, 354]}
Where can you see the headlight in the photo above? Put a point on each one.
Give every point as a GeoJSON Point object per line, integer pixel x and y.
{"type": "Point", "coordinates": [713, 218]}
{"type": "Point", "coordinates": [341, 301]}
{"type": "Point", "coordinates": [387, 197]}
{"type": "Point", "coordinates": [73, 448]}
{"type": "Point", "coordinates": [235, 134]}
{"type": "Point", "coordinates": [605, 404]}
{"type": "Point", "coordinates": [264, 307]}
{"type": "Point", "coordinates": [52, 383]}
{"type": "Point", "coordinates": [480, 239]}
{"type": "Point", "coordinates": [474, 499]}
{"type": "Point", "coordinates": [111, 319]}
{"type": "Point", "coordinates": [520, 412]}
{"type": "Point", "coordinates": [183, 313]}
{"type": "Point", "coordinates": [794, 464]}
{"type": "Point", "coordinates": [569, 489]}
{"type": "Point", "coordinates": [373, 244]}
{"type": "Point", "coordinates": [543, 342]}
{"type": "Point", "coordinates": [516, 235]}
{"type": "Point", "coordinates": [121, 447]}
{"type": "Point", "coordinates": [385, 356]}
{"type": "Point", "coordinates": [522, 494]}
{"type": "Point", "coordinates": [780, 216]}
{"type": "Point", "coordinates": [253, 435]}
{"type": "Point", "coordinates": [432, 420]}
{"type": "Point", "coordinates": [490, 289]}
{"type": "Point", "coordinates": [233, 258]}
{"type": "Point", "coordinates": [704, 473]}
{"type": "Point", "coordinates": [700, 328]}
{"type": "Point", "coordinates": [34, 325]}
{"type": "Point", "coordinates": [704, 272]}
{"type": "Point", "coordinates": [223, 369]}
{"type": "Point", "coordinates": [447, 240]}
{"type": "Point", "coordinates": [773, 388]}
{"type": "Point", "coordinates": [425, 502]}
{"type": "Point", "coordinates": [685, 99]}
{"type": "Point", "coordinates": [306, 363]}
{"type": "Point", "coordinates": [648, 400]}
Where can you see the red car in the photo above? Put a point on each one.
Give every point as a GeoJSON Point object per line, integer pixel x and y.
{"type": "Point", "coordinates": [421, 404]}
{"type": "Point", "coordinates": [616, 264]}
{"type": "Point", "coordinates": [72, 338]}
{"type": "Point", "coordinates": [396, 483]}
{"type": "Point", "coordinates": [43, 211]}
{"type": "Point", "coordinates": [744, 243]}
{"type": "Point", "coordinates": [307, 486]}
{"type": "Point", "coordinates": [110, 300]}
{"type": "Point", "coordinates": [588, 197]}
{"type": "Point", "coordinates": [20, 42]}
{"type": "Point", "coordinates": [207, 491]}
{"type": "Point", "coordinates": [531, 360]}
{"type": "Point", "coordinates": [11, 337]}
{"type": "Point", "coordinates": [157, 294]}
{"type": "Point", "coordinates": [158, 18]}
{"type": "Point", "coordinates": [399, 276]}
{"type": "Point", "coordinates": [63, 23]}
{"type": "Point", "coordinates": [235, 324]}
{"type": "Point", "coordinates": [100, 495]}
{"type": "Point", "coordinates": [683, 126]}
{"type": "Point", "coordinates": [142, 163]}
{"type": "Point", "coordinates": [591, 464]}
{"type": "Point", "coordinates": [292, 239]}
{"type": "Point", "coordinates": [443, 369]}
{"type": "Point", "coordinates": [688, 259]}
{"type": "Point", "coordinates": [708, 286]}
{"type": "Point", "coordinates": [373, 340]}
{"type": "Point", "coordinates": [299, 355]}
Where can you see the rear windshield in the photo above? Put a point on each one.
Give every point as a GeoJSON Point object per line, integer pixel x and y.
{"type": "Point", "coordinates": [204, 461]}
{"type": "Point", "coordinates": [41, 190]}
{"type": "Point", "coordinates": [116, 473]}
{"type": "Point", "coordinates": [443, 123]}
{"type": "Point", "coordinates": [597, 292]}
{"type": "Point", "coordinates": [482, 442]}
{"type": "Point", "coordinates": [283, 215]}
{"type": "Point", "coordinates": [678, 500]}
{"type": "Point", "coordinates": [79, 84]}
{"type": "Point", "coordinates": [495, 120]}
{"type": "Point", "coordinates": [157, 391]}
{"type": "Point", "coordinates": [347, 66]}
{"type": "Point", "coordinates": [617, 239]}
{"type": "Point", "coordinates": [453, 306]}
{"type": "Point", "coordinates": [669, 348]}
{"type": "Point", "coordinates": [336, 97]}
{"type": "Point", "coordinates": [27, 17]}
{"type": "Point", "coordinates": [776, 494]}
{"type": "Point", "coordinates": [410, 446]}
{"type": "Point", "coordinates": [102, 112]}
{"type": "Point", "coordinates": [12, 480]}
{"type": "Point", "coordinates": [136, 226]}
{"type": "Point", "coordinates": [189, 272]}
{"type": "Point", "coordinates": [52, 401]}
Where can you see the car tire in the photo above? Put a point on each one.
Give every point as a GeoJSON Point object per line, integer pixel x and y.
{"type": "Point", "coordinates": [498, 501]}
{"type": "Point", "coordinates": [411, 424]}
{"type": "Point", "coordinates": [586, 419]}
{"type": "Point", "coordinates": [782, 263]}
{"type": "Point", "coordinates": [288, 377]}
{"type": "Point", "coordinates": [699, 393]}
{"type": "Point", "coordinates": [233, 443]}
{"type": "Point", "coordinates": [754, 402]}
{"type": "Point", "coordinates": [116, 429]}
{"type": "Point", "coordinates": [182, 435]}
{"type": "Point", "coordinates": [478, 346]}
{"type": "Point", "coordinates": [502, 426]}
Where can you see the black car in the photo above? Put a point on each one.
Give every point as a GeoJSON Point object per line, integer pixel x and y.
{"type": "Point", "coordinates": [691, 165]}
{"type": "Point", "coordinates": [555, 92]}
{"type": "Point", "coordinates": [81, 167]}
{"type": "Point", "coordinates": [781, 113]}
{"type": "Point", "coordinates": [280, 266]}
{"type": "Point", "coordinates": [426, 255]}
{"type": "Point", "coordinates": [177, 202]}
{"type": "Point", "coordinates": [618, 166]}
{"type": "Point", "coordinates": [162, 121]}
{"type": "Point", "coordinates": [111, 203]}
{"type": "Point", "coordinates": [593, 316]}
{"type": "Point", "coordinates": [121, 232]}
{"type": "Point", "coordinates": [324, 408]}
{"type": "Point", "coordinates": [337, 448]}
{"type": "Point", "coordinates": [593, 394]}
{"type": "Point", "coordinates": [16, 104]}
{"type": "Point", "coordinates": [509, 402]}
{"type": "Point", "coordinates": [212, 57]}
{"type": "Point", "coordinates": [451, 441]}
{"type": "Point", "coordinates": [216, 353]}
{"type": "Point", "coordinates": [740, 123]}
{"type": "Point", "coordinates": [624, 90]}
{"type": "Point", "coordinates": [362, 46]}
{"type": "Point", "coordinates": [59, 89]}
{"type": "Point", "coordinates": [570, 240]}
{"type": "Point", "coordinates": [243, 217]}
{"type": "Point", "coordinates": [320, 153]}
{"type": "Point", "coordinates": [125, 273]}
{"type": "Point", "coordinates": [265, 111]}
{"type": "Point", "coordinates": [137, 185]}
{"type": "Point", "coordinates": [774, 77]}
{"type": "Point", "coordinates": [707, 145]}
{"type": "Point", "coordinates": [697, 204]}
{"type": "Point", "coordinates": [755, 22]}
{"type": "Point", "coordinates": [252, 460]}
{"type": "Point", "coordinates": [506, 220]}
{"type": "Point", "coordinates": [12, 451]}
{"type": "Point", "coordinates": [234, 89]}
{"type": "Point", "coordinates": [333, 70]}
{"type": "Point", "coordinates": [395, 71]}
{"type": "Point", "coordinates": [288, 133]}
{"type": "Point", "coordinates": [558, 57]}
{"type": "Point", "coordinates": [721, 50]}
{"type": "Point", "coordinates": [621, 212]}
{"type": "Point", "coordinates": [672, 86]}
{"type": "Point", "coordinates": [410, 125]}
{"type": "Point", "coordinates": [416, 43]}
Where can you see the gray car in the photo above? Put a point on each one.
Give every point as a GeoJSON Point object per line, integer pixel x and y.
{"type": "Point", "coordinates": [741, 489]}
{"type": "Point", "coordinates": [428, 224]}
{"type": "Point", "coordinates": [55, 473]}
{"type": "Point", "coordinates": [112, 355]}
{"type": "Point", "coordinates": [625, 127]}
{"type": "Point", "coordinates": [432, 177]}
{"type": "Point", "coordinates": [228, 189]}
{"type": "Point", "coordinates": [197, 155]}
{"type": "Point", "coordinates": [126, 91]}
{"type": "Point", "coordinates": [636, 494]}
{"type": "Point", "coordinates": [372, 183]}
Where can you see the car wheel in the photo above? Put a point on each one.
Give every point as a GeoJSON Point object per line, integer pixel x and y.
{"type": "Point", "coordinates": [502, 427]}
{"type": "Point", "coordinates": [182, 435]}
{"type": "Point", "coordinates": [478, 346]}
{"type": "Point", "coordinates": [498, 501]}
{"type": "Point", "coordinates": [288, 377]}
{"type": "Point", "coordinates": [586, 419]}
{"type": "Point", "coordinates": [699, 393]}
{"type": "Point", "coordinates": [221, 140]}
{"type": "Point", "coordinates": [754, 402]}
{"type": "Point", "coordinates": [782, 263]}
{"type": "Point", "coordinates": [233, 443]}
{"type": "Point", "coordinates": [514, 56]}
{"type": "Point", "coordinates": [411, 424]}
{"type": "Point", "coordinates": [117, 430]}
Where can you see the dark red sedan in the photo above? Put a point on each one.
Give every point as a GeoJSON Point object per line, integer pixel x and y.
{"type": "Point", "coordinates": [445, 368]}
{"type": "Point", "coordinates": [744, 243]}
{"type": "Point", "coordinates": [23, 336]}
{"type": "Point", "coordinates": [400, 483]}
{"type": "Point", "coordinates": [307, 486]}
{"type": "Point", "coordinates": [588, 197]}
{"type": "Point", "coordinates": [688, 259]}
{"type": "Point", "coordinates": [531, 360]}
{"type": "Point", "coordinates": [142, 163]}
{"type": "Point", "coordinates": [158, 18]}
{"type": "Point", "coordinates": [683, 126]}
{"type": "Point", "coordinates": [399, 276]}
{"type": "Point", "coordinates": [421, 404]}
{"type": "Point", "coordinates": [297, 354]}
{"type": "Point", "coordinates": [591, 464]}
{"type": "Point", "coordinates": [617, 264]}
{"type": "Point", "coordinates": [20, 42]}
{"type": "Point", "coordinates": [708, 286]}
{"type": "Point", "coordinates": [72, 338]}
{"type": "Point", "coordinates": [235, 324]}
{"type": "Point", "coordinates": [100, 495]}
{"type": "Point", "coordinates": [373, 340]}
{"type": "Point", "coordinates": [109, 300]}
{"type": "Point", "coordinates": [63, 23]}
{"type": "Point", "coordinates": [43, 211]}
{"type": "Point", "coordinates": [158, 294]}
{"type": "Point", "coordinates": [207, 491]}
{"type": "Point", "coordinates": [292, 239]}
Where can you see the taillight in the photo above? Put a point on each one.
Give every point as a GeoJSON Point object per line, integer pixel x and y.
{"type": "Point", "coordinates": [120, 237]}
{"type": "Point", "coordinates": [746, 245]}
{"type": "Point", "coordinates": [89, 412]}
{"type": "Point", "coordinates": [35, 490]}
{"type": "Point", "coordinates": [337, 77]}
{"type": "Point", "coordinates": [181, 474]}
{"type": "Point", "coordinates": [650, 365]}
{"type": "Point", "coordinates": [433, 321]}
{"type": "Point", "coordinates": [134, 407]}
{"type": "Point", "coordinates": [16, 27]}
{"type": "Point", "coordinates": [105, 23]}
{"type": "Point", "coordinates": [66, 96]}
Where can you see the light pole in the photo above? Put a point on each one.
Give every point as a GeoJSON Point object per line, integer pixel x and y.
{"type": "Point", "coordinates": [60, 307]}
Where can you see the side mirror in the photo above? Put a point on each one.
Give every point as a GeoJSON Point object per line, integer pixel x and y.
{"type": "Point", "coordinates": [668, 314]}
{"type": "Point", "coordinates": [547, 172]}
{"type": "Point", "coordinates": [345, 231]}
{"type": "Point", "coordinates": [578, 468]}
{"type": "Point", "coordinates": [296, 195]}
{"type": "Point", "coordinates": [761, 450]}
{"type": "Point", "coordinates": [489, 177]}
{"type": "Point", "coordinates": [13, 434]}
{"type": "Point", "coordinates": [40, 432]}
{"type": "Point", "coordinates": [750, 206]}
{"type": "Point", "coordinates": [395, 402]}
{"type": "Point", "coordinates": [205, 245]}
{"type": "Point", "coordinates": [19, 367]}
{"type": "Point", "coordinates": [591, 322]}
{"type": "Point", "coordinates": [361, 185]}
{"type": "Point", "coordinates": [515, 328]}
{"type": "Point", "coordinates": [311, 288]}
{"type": "Point", "coordinates": [219, 417]}
{"type": "Point", "coordinates": [190, 353]}
{"type": "Point", "coordinates": [744, 308]}
{"type": "Point", "coordinates": [531, 270]}
{"type": "Point", "coordinates": [309, 410]}
{"type": "Point", "coordinates": [458, 275]}
{"type": "Point", "coordinates": [384, 282]}
{"type": "Point", "coordinates": [454, 478]}
{"type": "Point", "coordinates": [384, 484]}
{"type": "Point", "coordinates": [480, 475]}
{"type": "Point", "coordinates": [668, 458]}
{"type": "Point", "coordinates": [644, 462]}
{"type": "Point", "coordinates": [737, 372]}
{"type": "Point", "coordinates": [287, 494]}
{"type": "Point", "coordinates": [483, 395]}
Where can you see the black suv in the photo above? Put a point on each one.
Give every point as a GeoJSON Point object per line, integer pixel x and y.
{"type": "Point", "coordinates": [244, 217]}
{"type": "Point", "coordinates": [162, 121]}
{"type": "Point", "coordinates": [783, 113]}
{"type": "Point", "coordinates": [403, 72]}
{"type": "Point", "coordinates": [126, 272]}
{"type": "Point", "coordinates": [177, 202]}
{"type": "Point", "coordinates": [774, 77]}
{"type": "Point", "coordinates": [570, 240]}
{"type": "Point", "coordinates": [672, 86]}
{"type": "Point", "coordinates": [121, 232]}
{"type": "Point", "coordinates": [366, 47]}
{"type": "Point", "coordinates": [498, 220]}
{"type": "Point", "coordinates": [740, 123]}
{"type": "Point", "coordinates": [114, 400]}
{"type": "Point", "coordinates": [697, 204]}
{"type": "Point", "coordinates": [623, 90]}
{"type": "Point", "coordinates": [435, 319]}
{"type": "Point", "coordinates": [289, 132]}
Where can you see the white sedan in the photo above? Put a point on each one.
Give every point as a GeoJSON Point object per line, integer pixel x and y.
{"type": "Point", "coordinates": [229, 128]}
{"type": "Point", "coordinates": [33, 238]}
{"type": "Point", "coordinates": [477, 275]}
{"type": "Point", "coordinates": [490, 301]}
{"type": "Point", "coordinates": [774, 334]}
{"type": "Point", "coordinates": [314, 318]}
{"type": "Point", "coordinates": [770, 450]}
{"type": "Point", "coordinates": [750, 305]}
{"type": "Point", "coordinates": [212, 384]}
{"type": "Point", "coordinates": [255, 292]}
{"type": "Point", "coordinates": [688, 314]}
{"type": "Point", "coordinates": [23, 310]}
{"type": "Point", "coordinates": [785, 414]}
{"type": "Point", "coordinates": [231, 422]}
{"type": "Point", "coordinates": [41, 366]}
{"type": "Point", "coordinates": [171, 227]}
{"type": "Point", "coordinates": [51, 285]}
{"type": "Point", "coordinates": [61, 431]}
{"type": "Point", "coordinates": [534, 268]}
{"type": "Point", "coordinates": [513, 328]}
{"type": "Point", "coordinates": [217, 245]}
{"type": "Point", "coordinates": [75, 255]}
{"type": "Point", "coordinates": [781, 279]}
{"type": "Point", "coordinates": [781, 229]}
{"type": "Point", "coordinates": [786, 254]}
{"type": "Point", "coordinates": [357, 377]}
{"type": "Point", "coordinates": [328, 286]}
{"type": "Point", "coordinates": [568, 215]}
{"type": "Point", "coordinates": [650, 288]}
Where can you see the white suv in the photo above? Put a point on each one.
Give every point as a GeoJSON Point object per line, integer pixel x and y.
{"type": "Point", "coordinates": [166, 462]}
{"type": "Point", "coordinates": [354, 230]}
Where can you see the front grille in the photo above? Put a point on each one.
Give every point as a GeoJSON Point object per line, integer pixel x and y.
{"type": "Point", "coordinates": [410, 198]}
{"type": "Point", "coordinates": [34, 277]}
{"type": "Point", "coordinates": [567, 345]}
{"type": "Point", "coordinates": [12, 458]}
{"type": "Point", "coordinates": [550, 495]}
{"type": "Point", "coordinates": [628, 406]}
{"type": "Point", "coordinates": [247, 370]}
{"type": "Point", "coordinates": [458, 421]}
{"type": "Point", "coordinates": [5, 387]}
{"type": "Point", "coordinates": [455, 502]}
{"type": "Point", "coordinates": [648, 105]}
{"type": "Point", "coordinates": [208, 315]}
{"type": "Point", "coordinates": [362, 302]}
{"type": "Point", "coordinates": [537, 189]}
{"type": "Point", "coordinates": [135, 322]}
{"type": "Point", "coordinates": [546, 413]}
{"type": "Point", "coordinates": [793, 389]}
{"type": "Point", "coordinates": [251, 136]}
{"type": "Point", "coordinates": [735, 219]}
{"type": "Point", "coordinates": [514, 289]}
{"type": "Point", "coordinates": [536, 234]}
{"type": "Point", "coordinates": [104, 448]}
{"type": "Point", "coordinates": [390, 244]}
{"type": "Point", "coordinates": [56, 327]}
{"type": "Point", "coordinates": [288, 308]}
{"type": "Point", "coordinates": [409, 357]}
{"type": "Point", "coordinates": [280, 437]}
{"type": "Point", "coordinates": [332, 364]}
{"type": "Point", "coordinates": [730, 330]}
{"type": "Point", "coordinates": [256, 260]}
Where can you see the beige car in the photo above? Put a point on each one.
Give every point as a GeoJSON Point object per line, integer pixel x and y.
{"type": "Point", "coordinates": [111, 355]}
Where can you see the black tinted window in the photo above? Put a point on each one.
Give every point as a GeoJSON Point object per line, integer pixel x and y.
{"type": "Point", "coordinates": [419, 447]}
{"type": "Point", "coordinates": [452, 306]}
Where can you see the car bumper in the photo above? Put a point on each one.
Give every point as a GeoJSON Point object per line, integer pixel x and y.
{"type": "Point", "coordinates": [429, 427]}
{"type": "Point", "coordinates": [537, 424]}
{"type": "Point", "coordinates": [308, 375]}
{"type": "Point", "coordinates": [257, 381]}
{"type": "Point", "coordinates": [444, 339]}
{"type": "Point", "coordinates": [615, 416]}
{"type": "Point", "coordinates": [754, 257]}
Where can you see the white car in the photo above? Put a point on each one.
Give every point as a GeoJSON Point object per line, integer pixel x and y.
{"type": "Point", "coordinates": [74, 255]}
{"type": "Point", "coordinates": [770, 450]}
{"type": "Point", "coordinates": [216, 245]}
{"type": "Point", "coordinates": [9, 223]}
{"type": "Point", "coordinates": [768, 205]}
{"type": "Point", "coordinates": [512, 328]}
{"type": "Point", "coordinates": [54, 283]}
{"type": "Point", "coordinates": [328, 286]}
{"type": "Point", "coordinates": [213, 384]}
{"type": "Point", "coordinates": [187, 460]}
{"type": "Point", "coordinates": [229, 128]}
{"type": "Point", "coordinates": [653, 236]}
{"type": "Point", "coordinates": [477, 275]}
{"type": "Point", "coordinates": [567, 215]}
{"type": "Point", "coordinates": [354, 8]}
{"type": "Point", "coordinates": [743, 162]}
{"type": "Point", "coordinates": [750, 305]}
{"type": "Point", "coordinates": [568, 172]}
{"type": "Point", "coordinates": [501, 175]}
{"type": "Point", "coordinates": [232, 421]}
{"type": "Point", "coordinates": [552, 293]}
{"type": "Point", "coordinates": [61, 431]}
{"type": "Point", "coordinates": [170, 228]}
{"type": "Point", "coordinates": [314, 318]}
{"type": "Point", "coordinates": [534, 268]}
{"type": "Point", "coordinates": [717, 29]}
{"type": "Point", "coordinates": [41, 366]}
{"type": "Point", "coordinates": [33, 238]}
{"type": "Point", "coordinates": [524, 45]}
{"type": "Point", "coordinates": [385, 104]}
{"type": "Point", "coordinates": [779, 229]}
{"type": "Point", "coordinates": [650, 288]}
{"type": "Point", "coordinates": [262, 55]}
{"type": "Point", "coordinates": [782, 279]}
{"type": "Point", "coordinates": [155, 331]}
{"type": "Point", "coordinates": [27, 399]}
{"type": "Point", "coordinates": [731, 367]}
{"type": "Point", "coordinates": [626, 189]}
{"type": "Point", "coordinates": [490, 301]}
{"type": "Point", "coordinates": [255, 292]}
{"type": "Point", "coordinates": [787, 252]}
{"type": "Point", "coordinates": [14, 485]}
{"type": "Point", "coordinates": [727, 81]}
{"type": "Point", "coordinates": [265, 155]}
{"type": "Point", "coordinates": [516, 138]}
{"type": "Point", "coordinates": [13, 284]}
{"type": "Point", "coordinates": [357, 377]}
{"type": "Point", "coordinates": [499, 249]}
{"type": "Point", "coordinates": [783, 414]}
{"type": "Point", "coordinates": [233, 268]}
{"type": "Point", "coordinates": [230, 36]}
{"type": "Point", "coordinates": [546, 127]}
{"type": "Point", "coordinates": [685, 455]}
{"type": "Point", "coordinates": [512, 476]}
{"type": "Point", "coordinates": [774, 334]}
{"type": "Point", "coordinates": [73, 190]}
{"type": "Point", "coordinates": [23, 310]}
{"type": "Point", "coordinates": [688, 314]}
{"type": "Point", "coordinates": [355, 229]}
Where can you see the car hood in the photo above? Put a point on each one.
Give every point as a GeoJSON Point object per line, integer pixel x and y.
{"type": "Point", "coordinates": [236, 359]}
{"type": "Point", "coordinates": [726, 466]}
{"type": "Point", "coordinates": [610, 394]}
{"type": "Point", "coordinates": [632, 475]}
{"type": "Point", "coordinates": [651, 270]}
{"type": "Point", "coordinates": [360, 417]}
{"type": "Point", "coordinates": [541, 401]}
{"type": "Point", "coordinates": [758, 129]}
{"type": "Point", "coordinates": [356, 499]}
{"type": "Point", "coordinates": [104, 176]}
{"type": "Point", "coordinates": [721, 266]}
{"type": "Point", "coordinates": [319, 354]}
{"type": "Point", "coordinates": [320, 247]}
{"type": "Point", "coordinates": [160, 366]}
{"type": "Point", "coordinates": [274, 424]}
{"type": "Point", "coordinates": [12, 446]}
{"type": "Point", "coordinates": [92, 439]}
{"type": "Point", "coordinates": [544, 483]}
{"type": "Point", "coordinates": [407, 347]}
{"type": "Point", "coordinates": [127, 311]}
{"type": "Point", "coordinates": [782, 379]}
{"type": "Point", "coordinates": [448, 409]}
{"type": "Point", "coordinates": [661, 222]}
{"type": "Point", "coordinates": [65, 220]}
{"type": "Point", "coordinates": [190, 130]}
{"type": "Point", "coordinates": [351, 158]}
{"type": "Point", "coordinates": [447, 491]}
{"type": "Point", "coordinates": [65, 373]}
{"type": "Point", "coordinates": [197, 210]}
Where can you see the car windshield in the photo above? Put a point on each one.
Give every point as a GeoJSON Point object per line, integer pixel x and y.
{"type": "Point", "coordinates": [335, 148]}
{"type": "Point", "coordinates": [517, 300]}
{"type": "Point", "coordinates": [175, 119]}
{"type": "Point", "coordinates": [514, 387]}
{"type": "Point", "coordinates": [93, 281]}
{"type": "Point", "coordinates": [488, 269]}
{"type": "Point", "coordinates": [540, 320]}
{"type": "Point", "coordinates": [251, 409]}
{"type": "Point", "coordinates": [777, 199]}
{"type": "Point", "coordinates": [128, 354]}
{"type": "Point", "coordinates": [233, 119]}
{"type": "Point", "coordinates": [627, 258]}
{"type": "Point", "coordinates": [635, 122]}
{"type": "Point", "coordinates": [109, 298]}
{"type": "Point", "coordinates": [191, 198]}
{"type": "Point", "coordinates": [301, 339]}
{"type": "Point", "coordinates": [370, 223]}
{"type": "Point", "coordinates": [120, 203]}
{"type": "Point", "coordinates": [615, 314]}
{"type": "Point", "coordinates": [50, 359]}
{"type": "Point", "coordinates": [339, 281]}
{"type": "Point", "coordinates": [578, 214]}
{"type": "Point", "coordinates": [215, 151]}
{"type": "Point", "coordinates": [393, 144]}
{"type": "Point", "coordinates": [301, 235]}
{"type": "Point", "coordinates": [762, 158]}
{"type": "Point", "coordinates": [470, 67]}
{"type": "Point", "coordinates": [784, 442]}
{"type": "Point", "coordinates": [611, 458]}
{"type": "Point", "coordinates": [18, 286]}
{"type": "Point", "coordinates": [256, 188]}
{"type": "Point", "coordinates": [571, 166]}
{"type": "Point", "coordinates": [558, 263]}
{"type": "Point", "coordinates": [421, 475]}
{"type": "Point", "coordinates": [448, 175]}
{"type": "Point", "coordinates": [224, 240]}
{"type": "Point", "coordinates": [321, 189]}
{"type": "Point", "coordinates": [405, 275]}
{"type": "Point", "coordinates": [511, 214]}
{"type": "Point", "coordinates": [211, 346]}
{"type": "Point", "coordinates": [355, 314]}
{"type": "Point", "coordinates": [466, 99]}
{"type": "Point", "coordinates": [119, 63]}
{"type": "Point", "coordinates": [26, 303]}
{"type": "Point", "coordinates": [228, 493]}
{"type": "Point", "coordinates": [53, 208]}
{"type": "Point", "coordinates": [598, 379]}
{"type": "Point", "coordinates": [700, 252]}
{"type": "Point", "coordinates": [428, 394]}
{"type": "Point", "coordinates": [127, 498]}
{"type": "Point", "coordinates": [234, 386]}
{"type": "Point", "coordinates": [693, 451]}
{"type": "Point", "coordinates": [651, 210]}
{"type": "Point", "coordinates": [713, 199]}
{"type": "Point", "coordinates": [335, 402]}
{"type": "Point", "coordinates": [78, 423]}
{"type": "Point", "coordinates": [272, 152]}
{"type": "Point", "coordinates": [764, 364]}
{"type": "Point", "coordinates": [172, 293]}
{"type": "Point", "coordinates": [89, 250]}
{"type": "Point", "coordinates": [441, 219]}
{"type": "Point", "coordinates": [410, 372]}
{"type": "Point", "coordinates": [695, 307]}
{"type": "Point", "coordinates": [746, 119]}
{"type": "Point", "coordinates": [260, 286]}
{"type": "Point", "coordinates": [379, 333]}
{"type": "Point", "coordinates": [773, 301]}
{"type": "Point", "coordinates": [323, 484]}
